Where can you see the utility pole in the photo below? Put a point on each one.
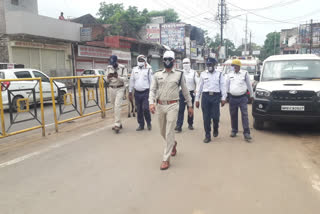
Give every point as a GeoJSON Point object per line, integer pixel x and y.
{"type": "Point", "coordinates": [245, 38]}
{"type": "Point", "coordinates": [222, 17]}
{"type": "Point", "coordinates": [311, 35]}
{"type": "Point", "coordinates": [274, 42]}
{"type": "Point", "coordinates": [250, 45]}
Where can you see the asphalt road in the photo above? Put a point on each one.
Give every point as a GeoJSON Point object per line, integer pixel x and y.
{"type": "Point", "coordinates": [86, 168]}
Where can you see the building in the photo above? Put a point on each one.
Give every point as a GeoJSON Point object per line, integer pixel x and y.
{"type": "Point", "coordinates": [36, 41]}
{"type": "Point", "coordinates": [289, 41]}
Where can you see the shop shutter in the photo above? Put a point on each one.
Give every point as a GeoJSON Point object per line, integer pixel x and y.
{"type": "Point", "coordinates": [21, 56]}
{"type": "Point", "coordinates": [34, 58]}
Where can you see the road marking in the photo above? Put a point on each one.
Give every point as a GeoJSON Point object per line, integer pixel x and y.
{"type": "Point", "coordinates": [55, 146]}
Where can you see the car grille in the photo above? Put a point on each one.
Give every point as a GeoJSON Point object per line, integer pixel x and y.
{"type": "Point", "coordinates": [299, 95]}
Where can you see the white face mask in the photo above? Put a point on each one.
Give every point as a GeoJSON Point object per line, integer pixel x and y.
{"type": "Point", "coordinates": [186, 67]}
{"type": "Point", "coordinates": [232, 68]}
{"type": "Point", "coordinates": [140, 64]}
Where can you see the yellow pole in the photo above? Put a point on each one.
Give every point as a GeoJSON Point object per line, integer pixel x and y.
{"type": "Point", "coordinates": [80, 98]}
{"type": "Point", "coordinates": [2, 113]}
{"type": "Point", "coordinates": [54, 104]}
{"type": "Point", "coordinates": [42, 111]}
{"type": "Point", "coordinates": [103, 113]}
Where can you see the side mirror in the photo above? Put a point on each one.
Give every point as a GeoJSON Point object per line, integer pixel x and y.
{"type": "Point", "coordinates": [257, 77]}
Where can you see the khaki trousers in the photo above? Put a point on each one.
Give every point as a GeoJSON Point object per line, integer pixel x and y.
{"type": "Point", "coordinates": [116, 101]}
{"type": "Point", "coordinates": [168, 115]}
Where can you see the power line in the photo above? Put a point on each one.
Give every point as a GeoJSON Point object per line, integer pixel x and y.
{"type": "Point", "coordinates": [279, 4]}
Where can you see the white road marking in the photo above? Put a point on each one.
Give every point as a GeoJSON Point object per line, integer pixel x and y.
{"type": "Point", "coordinates": [55, 146]}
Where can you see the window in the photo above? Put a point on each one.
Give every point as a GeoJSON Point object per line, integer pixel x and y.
{"type": "Point", "coordinates": [15, 2]}
{"type": "Point", "coordinates": [23, 74]}
{"type": "Point", "coordinates": [89, 72]}
{"type": "Point", "coordinates": [1, 75]}
{"type": "Point", "coordinates": [37, 74]}
{"type": "Point", "coordinates": [101, 72]}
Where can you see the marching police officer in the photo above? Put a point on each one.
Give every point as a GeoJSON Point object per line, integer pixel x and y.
{"type": "Point", "coordinates": [191, 77]}
{"type": "Point", "coordinates": [164, 92]}
{"type": "Point", "coordinates": [117, 78]}
{"type": "Point", "coordinates": [212, 88]}
{"type": "Point", "coordinates": [140, 81]}
{"type": "Point", "coordinates": [237, 84]}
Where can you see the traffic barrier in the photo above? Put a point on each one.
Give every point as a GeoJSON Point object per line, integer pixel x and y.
{"type": "Point", "coordinates": [21, 105]}
{"type": "Point", "coordinates": [79, 101]}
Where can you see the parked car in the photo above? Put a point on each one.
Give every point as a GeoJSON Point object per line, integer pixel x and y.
{"type": "Point", "coordinates": [288, 90]}
{"type": "Point", "coordinates": [87, 82]}
{"type": "Point", "coordinates": [22, 87]}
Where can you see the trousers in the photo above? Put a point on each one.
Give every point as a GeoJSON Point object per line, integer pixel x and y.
{"type": "Point", "coordinates": [234, 105]}
{"type": "Point", "coordinates": [117, 95]}
{"type": "Point", "coordinates": [182, 107]}
{"type": "Point", "coordinates": [210, 105]}
{"type": "Point", "coordinates": [167, 115]}
{"type": "Point", "coordinates": [142, 106]}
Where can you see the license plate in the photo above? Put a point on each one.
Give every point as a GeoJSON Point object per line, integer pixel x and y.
{"type": "Point", "coordinates": [292, 108]}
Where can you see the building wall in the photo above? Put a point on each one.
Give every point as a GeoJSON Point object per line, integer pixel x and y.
{"type": "Point", "coordinates": [4, 53]}
{"type": "Point", "coordinates": [31, 24]}
{"type": "Point", "coordinates": [2, 18]}
{"type": "Point", "coordinates": [30, 6]}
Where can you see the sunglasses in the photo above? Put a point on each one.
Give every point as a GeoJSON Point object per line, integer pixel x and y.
{"type": "Point", "coordinates": [168, 59]}
{"type": "Point", "coordinates": [141, 60]}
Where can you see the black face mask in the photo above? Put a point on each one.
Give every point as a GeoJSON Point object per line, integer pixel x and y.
{"type": "Point", "coordinates": [168, 64]}
{"type": "Point", "coordinates": [115, 65]}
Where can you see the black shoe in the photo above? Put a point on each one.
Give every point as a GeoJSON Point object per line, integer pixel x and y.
{"type": "Point", "coordinates": [233, 134]}
{"type": "Point", "coordinates": [120, 126]}
{"type": "Point", "coordinates": [190, 127]}
{"type": "Point", "coordinates": [178, 129]}
{"type": "Point", "coordinates": [139, 129]}
{"type": "Point", "coordinates": [247, 137]}
{"type": "Point", "coordinates": [149, 127]}
{"type": "Point", "coordinates": [215, 133]}
{"type": "Point", "coordinates": [206, 140]}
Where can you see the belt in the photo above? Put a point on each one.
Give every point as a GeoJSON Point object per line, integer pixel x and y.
{"type": "Point", "coordinates": [167, 102]}
{"type": "Point", "coordinates": [135, 91]}
{"type": "Point", "coordinates": [239, 96]}
{"type": "Point", "coordinates": [212, 93]}
{"type": "Point", "coordinates": [118, 86]}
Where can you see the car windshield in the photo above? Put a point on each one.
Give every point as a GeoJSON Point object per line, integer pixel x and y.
{"type": "Point", "coordinates": [251, 69]}
{"type": "Point", "coordinates": [291, 70]}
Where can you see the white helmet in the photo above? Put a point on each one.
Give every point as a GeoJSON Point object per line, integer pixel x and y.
{"type": "Point", "coordinates": [186, 60]}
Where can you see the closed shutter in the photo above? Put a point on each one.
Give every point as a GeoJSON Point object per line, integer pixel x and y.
{"type": "Point", "coordinates": [34, 58]}
{"type": "Point", "coordinates": [49, 62]}
{"type": "Point", "coordinates": [21, 56]}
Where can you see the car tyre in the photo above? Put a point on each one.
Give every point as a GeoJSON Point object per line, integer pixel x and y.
{"type": "Point", "coordinates": [60, 98]}
{"type": "Point", "coordinates": [258, 124]}
{"type": "Point", "coordinates": [14, 103]}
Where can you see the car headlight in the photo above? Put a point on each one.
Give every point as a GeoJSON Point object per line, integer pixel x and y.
{"type": "Point", "coordinates": [262, 93]}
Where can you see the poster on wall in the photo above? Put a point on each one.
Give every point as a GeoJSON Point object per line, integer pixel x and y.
{"type": "Point", "coordinates": [153, 33]}
{"type": "Point", "coordinates": [172, 35]}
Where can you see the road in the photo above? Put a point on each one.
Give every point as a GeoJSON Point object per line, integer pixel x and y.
{"type": "Point", "coordinates": [86, 168]}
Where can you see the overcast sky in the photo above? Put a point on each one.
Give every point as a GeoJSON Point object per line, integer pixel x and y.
{"type": "Point", "coordinates": [263, 16]}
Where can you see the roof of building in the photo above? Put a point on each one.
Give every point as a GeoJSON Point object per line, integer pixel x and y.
{"type": "Point", "coordinates": [87, 19]}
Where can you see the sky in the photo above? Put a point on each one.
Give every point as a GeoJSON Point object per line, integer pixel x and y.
{"type": "Point", "coordinates": [263, 16]}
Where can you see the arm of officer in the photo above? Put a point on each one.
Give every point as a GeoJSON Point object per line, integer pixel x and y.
{"type": "Point", "coordinates": [199, 88]}
{"type": "Point", "coordinates": [185, 91]}
{"type": "Point", "coordinates": [223, 88]}
{"type": "Point", "coordinates": [249, 86]}
{"type": "Point", "coordinates": [124, 77]}
{"type": "Point", "coordinates": [132, 81]}
{"type": "Point", "coordinates": [152, 94]}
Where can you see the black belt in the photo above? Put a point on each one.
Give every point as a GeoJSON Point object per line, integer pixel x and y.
{"type": "Point", "coordinates": [118, 86]}
{"type": "Point", "coordinates": [243, 95]}
{"type": "Point", "coordinates": [135, 91]}
{"type": "Point", "coordinates": [212, 93]}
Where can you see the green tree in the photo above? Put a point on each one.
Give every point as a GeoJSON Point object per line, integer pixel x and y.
{"type": "Point", "coordinates": [215, 43]}
{"type": "Point", "coordinates": [170, 15]}
{"type": "Point", "coordinates": [271, 45]}
{"type": "Point", "coordinates": [106, 11]}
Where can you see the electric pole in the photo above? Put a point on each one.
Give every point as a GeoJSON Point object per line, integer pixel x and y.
{"type": "Point", "coordinates": [311, 35]}
{"type": "Point", "coordinates": [250, 45]}
{"type": "Point", "coordinates": [222, 17]}
{"type": "Point", "coordinates": [245, 38]}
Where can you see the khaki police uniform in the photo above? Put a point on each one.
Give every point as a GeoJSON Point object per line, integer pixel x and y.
{"type": "Point", "coordinates": [164, 92]}
{"type": "Point", "coordinates": [117, 90]}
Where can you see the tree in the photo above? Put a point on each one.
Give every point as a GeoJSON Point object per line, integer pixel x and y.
{"type": "Point", "coordinates": [170, 15]}
{"type": "Point", "coordinates": [215, 44]}
{"type": "Point", "coordinates": [271, 45]}
{"type": "Point", "coordinates": [106, 11]}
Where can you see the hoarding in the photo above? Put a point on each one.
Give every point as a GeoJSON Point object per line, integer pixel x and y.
{"type": "Point", "coordinates": [153, 33]}
{"type": "Point", "coordinates": [172, 35]}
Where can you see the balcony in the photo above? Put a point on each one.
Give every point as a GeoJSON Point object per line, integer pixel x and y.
{"type": "Point", "coordinates": [32, 24]}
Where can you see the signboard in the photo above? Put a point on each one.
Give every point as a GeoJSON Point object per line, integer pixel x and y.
{"type": "Point", "coordinates": [94, 52]}
{"type": "Point", "coordinates": [85, 34]}
{"type": "Point", "coordinates": [172, 35]}
{"type": "Point", "coordinates": [158, 20]}
{"type": "Point", "coordinates": [193, 50]}
{"type": "Point", "coordinates": [38, 45]}
{"type": "Point", "coordinates": [245, 53]}
{"type": "Point", "coordinates": [122, 55]}
{"type": "Point", "coordinates": [256, 53]}
{"type": "Point", "coordinates": [222, 52]}
{"type": "Point", "coordinates": [188, 47]}
{"type": "Point", "coordinates": [153, 33]}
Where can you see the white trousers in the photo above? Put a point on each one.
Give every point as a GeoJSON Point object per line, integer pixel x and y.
{"type": "Point", "coordinates": [168, 115]}
{"type": "Point", "coordinates": [116, 101]}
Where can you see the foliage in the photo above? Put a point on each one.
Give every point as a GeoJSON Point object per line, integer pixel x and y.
{"type": "Point", "coordinates": [215, 43]}
{"type": "Point", "coordinates": [271, 45]}
{"type": "Point", "coordinates": [170, 15]}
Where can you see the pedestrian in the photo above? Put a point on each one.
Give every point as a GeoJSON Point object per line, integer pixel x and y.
{"type": "Point", "coordinates": [61, 17]}
{"type": "Point", "coordinates": [117, 78]}
{"type": "Point", "coordinates": [140, 82]}
{"type": "Point", "coordinates": [237, 85]}
{"type": "Point", "coordinates": [212, 88]}
{"type": "Point", "coordinates": [192, 79]}
{"type": "Point", "coordinates": [164, 96]}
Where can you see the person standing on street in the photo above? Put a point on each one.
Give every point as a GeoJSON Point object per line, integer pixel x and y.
{"type": "Point", "coordinates": [140, 81]}
{"type": "Point", "coordinates": [237, 84]}
{"type": "Point", "coordinates": [191, 80]}
{"type": "Point", "coordinates": [212, 88]}
{"type": "Point", "coordinates": [117, 78]}
{"type": "Point", "coordinates": [164, 92]}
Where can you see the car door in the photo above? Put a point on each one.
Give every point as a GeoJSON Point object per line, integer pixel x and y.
{"type": "Point", "coordinates": [23, 86]}
{"type": "Point", "coordinates": [46, 88]}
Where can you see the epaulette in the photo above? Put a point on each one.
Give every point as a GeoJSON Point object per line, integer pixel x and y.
{"type": "Point", "coordinates": [158, 70]}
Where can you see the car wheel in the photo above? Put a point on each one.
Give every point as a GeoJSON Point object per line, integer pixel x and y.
{"type": "Point", "coordinates": [60, 99]}
{"type": "Point", "coordinates": [258, 124]}
{"type": "Point", "coordinates": [14, 105]}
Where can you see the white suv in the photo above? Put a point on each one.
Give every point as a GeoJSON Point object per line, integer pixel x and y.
{"type": "Point", "coordinates": [22, 89]}
{"type": "Point", "coordinates": [91, 81]}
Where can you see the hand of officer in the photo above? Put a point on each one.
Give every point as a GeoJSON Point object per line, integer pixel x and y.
{"type": "Point", "coordinates": [110, 76]}
{"type": "Point", "coordinates": [197, 104]}
{"type": "Point", "coordinates": [130, 96]}
{"type": "Point", "coordinates": [251, 99]}
{"type": "Point", "coordinates": [223, 102]}
{"type": "Point", "coordinates": [190, 111]}
{"type": "Point", "coordinates": [152, 108]}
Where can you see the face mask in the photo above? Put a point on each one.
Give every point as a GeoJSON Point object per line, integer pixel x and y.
{"type": "Point", "coordinates": [232, 68]}
{"type": "Point", "coordinates": [210, 69]}
{"type": "Point", "coordinates": [186, 67]}
{"type": "Point", "coordinates": [115, 65]}
{"type": "Point", "coordinates": [168, 64]}
{"type": "Point", "coordinates": [140, 64]}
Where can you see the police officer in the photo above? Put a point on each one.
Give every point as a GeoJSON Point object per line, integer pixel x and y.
{"type": "Point", "coordinates": [117, 78]}
{"type": "Point", "coordinates": [164, 94]}
{"type": "Point", "coordinates": [140, 81]}
{"type": "Point", "coordinates": [237, 84]}
{"type": "Point", "coordinates": [191, 77]}
{"type": "Point", "coordinates": [212, 87]}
